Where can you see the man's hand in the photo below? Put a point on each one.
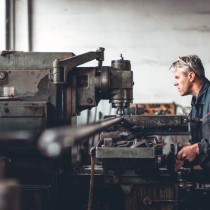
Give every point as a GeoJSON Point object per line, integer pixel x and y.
{"type": "Point", "coordinates": [188, 153]}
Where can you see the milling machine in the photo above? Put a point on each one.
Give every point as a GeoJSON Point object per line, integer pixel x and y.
{"type": "Point", "coordinates": [42, 90]}
{"type": "Point", "coordinates": [130, 168]}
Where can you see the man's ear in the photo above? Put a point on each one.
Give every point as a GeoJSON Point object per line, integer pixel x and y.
{"type": "Point", "coordinates": [191, 76]}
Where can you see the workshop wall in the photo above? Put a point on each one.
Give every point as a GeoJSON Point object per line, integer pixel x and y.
{"type": "Point", "coordinates": [2, 25]}
{"type": "Point", "coordinates": [149, 33]}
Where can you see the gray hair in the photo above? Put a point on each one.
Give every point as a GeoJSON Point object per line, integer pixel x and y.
{"type": "Point", "coordinates": [189, 63]}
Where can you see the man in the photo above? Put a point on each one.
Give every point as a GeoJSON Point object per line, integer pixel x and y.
{"type": "Point", "coordinates": [189, 78]}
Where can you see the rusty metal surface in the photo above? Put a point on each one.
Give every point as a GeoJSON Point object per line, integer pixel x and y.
{"type": "Point", "coordinates": [146, 125]}
{"type": "Point", "coordinates": [16, 60]}
{"type": "Point", "coordinates": [22, 115]}
{"type": "Point", "coordinates": [152, 197]}
{"type": "Point", "coordinates": [20, 79]}
{"type": "Point", "coordinates": [22, 109]}
{"type": "Point", "coordinates": [121, 82]}
{"type": "Point", "coordinates": [116, 152]}
{"type": "Point", "coordinates": [142, 121]}
{"type": "Point", "coordinates": [86, 88]}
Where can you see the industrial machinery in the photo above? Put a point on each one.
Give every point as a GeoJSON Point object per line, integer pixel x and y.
{"type": "Point", "coordinates": [132, 165]}
{"type": "Point", "coordinates": [40, 90]}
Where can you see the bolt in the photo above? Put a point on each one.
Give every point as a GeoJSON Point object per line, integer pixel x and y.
{"type": "Point", "coordinates": [3, 75]}
{"type": "Point", "coordinates": [89, 100]}
{"type": "Point", "coordinates": [121, 57]}
{"type": "Point", "coordinates": [6, 110]}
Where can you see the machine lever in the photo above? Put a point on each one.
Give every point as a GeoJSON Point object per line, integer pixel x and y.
{"type": "Point", "coordinates": [53, 141]}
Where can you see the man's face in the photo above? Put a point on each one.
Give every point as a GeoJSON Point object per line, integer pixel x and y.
{"type": "Point", "coordinates": [182, 82]}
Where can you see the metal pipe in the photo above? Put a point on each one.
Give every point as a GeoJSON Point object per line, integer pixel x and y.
{"type": "Point", "coordinates": [90, 198]}
{"type": "Point", "coordinates": [29, 16]}
{"type": "Point", "coordinates": [61, 104]}
{"type": "Point", "coordinates": [8, 25]}
{"type": "Point", "coordinates": [13, 25]}
{"type": "Point", "coordinates": [53, 141]}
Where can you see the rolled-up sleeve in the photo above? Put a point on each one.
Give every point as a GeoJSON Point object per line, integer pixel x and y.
{"type": "Point", "coordinates": [204, 147]}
